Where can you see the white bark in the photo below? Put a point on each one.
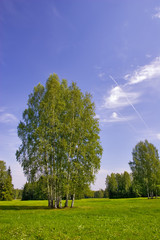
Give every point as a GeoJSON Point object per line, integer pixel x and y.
{"type": "Point", "coordinates": [73, 198]}
{"type": "Point", "coordinates": [66, 203]}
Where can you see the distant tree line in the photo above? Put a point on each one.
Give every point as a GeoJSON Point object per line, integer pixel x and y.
{"type": "Point", "coordinates": [120, 185]}
{"type": "Point", "coordinates": [35, 190]}
{"type": "Point", "coordinates": [6, 186]}
{"type": "Point", "coordinates": [145, 177]}
{"type": "Point", "coordinates": [38, 191]}
{"type": "Point", "coordinates": [7, 191]}
{"type": "Point", "coordinates": [17, 193]}
{"type": "Point", "coordinates": [144, 180]}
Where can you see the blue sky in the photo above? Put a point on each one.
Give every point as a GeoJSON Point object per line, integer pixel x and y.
{"type": "Point", "coordinates": [109, 47]}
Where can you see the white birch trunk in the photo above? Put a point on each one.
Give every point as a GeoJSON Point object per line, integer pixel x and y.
{"type": "Point", "coordinates": [51, 201]}
{"type": "Point", "coordinates": [66, 203]}
{"type": "Point", "coordinates": [73, 198]}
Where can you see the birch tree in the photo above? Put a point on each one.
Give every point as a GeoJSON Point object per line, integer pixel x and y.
{"type": "Point", "coordinates": [145, 167]}
{"type": "Point", "coordinates": [60, 139]}
{"type": "Point", "coordinates": [28, 153]}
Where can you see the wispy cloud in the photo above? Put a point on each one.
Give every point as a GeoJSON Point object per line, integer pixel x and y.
{"type": "Point", "coordinates": [153, 135]}
{"type": "Point", "coordinates": [101, 75]}
{"type": "Point", "coordinates": [132, 105]}
{"type": "Point", "coordinates": [158, 136]}
{"type": "Point", "coordinates": [128, 95]}
{"type": "Point", "coordinates": [115, 117]}
{"type": "Point", "coordinates": [12, 132]}
{"type": "Point", "coordinates": [117, 98]}
{"type": "Point", "coordinates": [144, 73]}
{"type": "Point", "coordinates": [148, 55]}
{"type": "Point", "coordinates": [56, 13]}
{"type": "Point", "coordinates": [7, 118]}
{"type": "Point", "coordinates": [157, 14]}
{"type": "Point", "coordinates": [150, 134]}
{"type": "Point", "coordinates": [2, 109]}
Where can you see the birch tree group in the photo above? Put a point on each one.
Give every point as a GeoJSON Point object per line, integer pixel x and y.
{"type": "Point", "coordinates": [60, 139]}
{"type": "Point", "coordinates": [145, 168]}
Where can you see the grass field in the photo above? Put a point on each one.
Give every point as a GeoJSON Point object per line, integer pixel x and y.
{"type": "Point", "coordinates": [89, 219]}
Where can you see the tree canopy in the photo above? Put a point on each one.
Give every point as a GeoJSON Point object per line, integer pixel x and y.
{"type": "Point", "coordinates": [6, 186]}
{"type": "Point", "coordinates": [60, 139]}
{"type": "Point", "coordinates": [119, 185]}
{"type": "Point", "coordinates": [145, 168]}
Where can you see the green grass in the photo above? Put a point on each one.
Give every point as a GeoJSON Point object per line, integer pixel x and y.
{"type": "Point", "coordinates": [89, 219]}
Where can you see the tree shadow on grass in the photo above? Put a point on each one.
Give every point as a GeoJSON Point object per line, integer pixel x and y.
{"type": "Point", "coordinates": [26, 207]}
{"type": "Point", "coordinates": [13, 207]}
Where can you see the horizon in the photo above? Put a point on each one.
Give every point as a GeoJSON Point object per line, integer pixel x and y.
{"type": "Point", "coordinates": [109, 48]}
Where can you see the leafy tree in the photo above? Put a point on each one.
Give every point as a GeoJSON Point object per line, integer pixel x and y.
{"type": "Point", "coordinates": [99, 194]}
{"type": "Point", "coordinates": [35, 190]}
{"type": "Point", "coordinates": [60, 139]}
{"type": "Point", "coordinates": [145, 168]}
{"type": "Point", "coordinates": [88, 193]}
{"type": "Point", "coordinates": [28, 153]}
{"type": "Point", "coordinates": [119, 185]}
{"type": "Point", "coordinates": [126, 184]}
{"type": "Point", "coordinates": [6, 186]}
{"type": "Point", "coordinates": [111, 185]}
{"type": "Point", "coordinates": [17, 193]}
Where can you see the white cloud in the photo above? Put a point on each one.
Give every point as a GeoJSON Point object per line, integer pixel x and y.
{"type": "Point", "coordinates": [97, 116]}
{"type": "Point", "coordinates": [116, 118]}
{"type": "Point", "coordinates": [150, 134]}
{"type": "Point", "coordinates": [128, 94]}
{"type": "Point", "coordinates": [154, 136]}
{"type": "Point", "coordinates": [114, 115]}
{"type": "Point", "coordinates": [119, 98]}
{"type": "Point", "coordinates": [144, 73]}
{"type": "Point", "coordinates": [158, 136]}
{"type": "Point", "coordinates": [7, 118]}
{"type": "Point", "coordinates": [157, 14]}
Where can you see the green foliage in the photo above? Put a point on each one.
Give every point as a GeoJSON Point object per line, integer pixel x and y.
{"type": "Point", "coordinates": [99, 194]}
{"type": "Point", "coordinates": [17, 193]}
{"type": "Point", "coordinates": [88, 193]}
{"type": "Point", "coordinates": [60, 139]}
{"type": "Point", "coordinates": [145, 169]}
{"type": "Point", "coordinates": [6, 187]}
{"type": "Point", "coordinates": [120, 185]}
{"type": "Point", "coordinates": [36, 190]}
{"type": "Point", "coordinates": [126, 219]}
